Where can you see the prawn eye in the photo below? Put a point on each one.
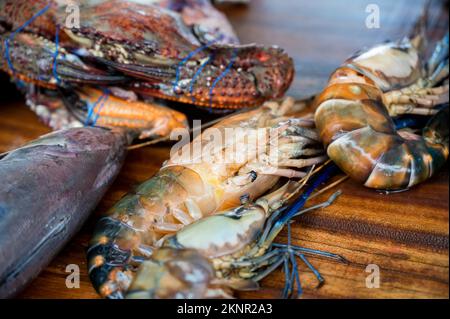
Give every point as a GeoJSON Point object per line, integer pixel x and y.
{"type": "Point", "coordinates": [253, 176]}
{"type": "Point", "coordinates": [236, 213]}
{"type": "Point", "coordinates": [244, 199]}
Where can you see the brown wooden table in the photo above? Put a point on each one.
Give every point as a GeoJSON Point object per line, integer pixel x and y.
{"type": "Point", "coordinates": [405, 234]}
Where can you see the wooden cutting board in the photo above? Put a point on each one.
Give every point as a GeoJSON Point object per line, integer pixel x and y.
{"type": "Point", "coordinates": [404, 234]}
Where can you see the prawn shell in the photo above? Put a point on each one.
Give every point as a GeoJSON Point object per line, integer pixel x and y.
{"type": "Point", "coordinates": [416, 159]}
{"type": "Point", "coordinates": [392, 170]}
{"type": "Point", "coordinates": [335, 117]}
{"type": "Point", "coordinates": [358, 151]}
{"type": "Point", "coordinates": [403, 166]}
{"type": "Point", "coordinates": [390, 66]}
{"type": "Point", "coordinates": [436, 135]}
{"type": "Point", "coordinates": [220, 235]}
{"type": "Point", "coordinates": [172, 273]}
{"type": "Point", "coordinates": [348, 75]}
{"type": "Point", "coordinates": [349, 91]}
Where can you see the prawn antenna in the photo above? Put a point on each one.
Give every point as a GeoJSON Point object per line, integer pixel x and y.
{"type": "Point", "coordinates": [288, 254]}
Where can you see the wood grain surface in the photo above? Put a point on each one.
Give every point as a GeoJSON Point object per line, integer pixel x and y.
{"type": "Point", "coordinates": [406, 234]}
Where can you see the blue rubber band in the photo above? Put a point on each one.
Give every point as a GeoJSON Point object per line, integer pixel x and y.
{"type": "Point", "coordinates": [189, 56]}
{"type": "Point", "coordinates": [221, 76]}
{"type": "Point", "coordinates": [97, 115]}
{"type": "Point", "coordinates": [55, 56]}
{"type": "Point", "coordinates": [20, 29]}
{"type": "Point", "coordinates": [197, 74]}
{"type": "Point", "coordinates": [91, 109]}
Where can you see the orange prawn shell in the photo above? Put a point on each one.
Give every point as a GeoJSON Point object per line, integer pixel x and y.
{"type": "Point", "coordinates": [364, 107]}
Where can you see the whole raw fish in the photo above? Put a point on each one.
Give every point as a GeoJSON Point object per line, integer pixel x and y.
{"type": "Point", "coordinates": [48, 188]}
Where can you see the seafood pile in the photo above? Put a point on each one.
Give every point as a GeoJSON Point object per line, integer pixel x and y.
{"type": "Point", "coordinates": [188, 244]}
{"type": "Point", "coordinates": [200, 227]}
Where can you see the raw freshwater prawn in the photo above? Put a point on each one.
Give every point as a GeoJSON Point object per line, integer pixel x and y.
{"type": "Point", "coordinates": [184, 192]}
{"type": "Point", "coordinates": [231, 250]}
{"type": "Point", "coordinates": [354, 113]}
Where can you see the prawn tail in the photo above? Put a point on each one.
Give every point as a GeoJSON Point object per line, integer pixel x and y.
{"type": "Point", "coordinates": [436, 135]}
{"type": "Point", "coordinates": [108, 265]}
{"type": "Point", "coordinates": [402, 160]}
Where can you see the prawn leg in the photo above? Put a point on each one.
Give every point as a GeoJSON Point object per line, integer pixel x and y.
{"type": "Point", "coordinates": [257, 268]}
{"type": "Point", "coordinates": [423, 94]}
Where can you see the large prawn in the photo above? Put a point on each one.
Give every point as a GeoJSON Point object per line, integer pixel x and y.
{"type": "Point", "coordinates": [354, 113]}
{"type": "Point", "coordinates": [181, 193]}
{"type": "Point", "coordinates": [232, 250]}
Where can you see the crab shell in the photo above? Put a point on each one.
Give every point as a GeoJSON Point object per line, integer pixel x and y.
{"type": "Point", "coordinates": [162, 52]}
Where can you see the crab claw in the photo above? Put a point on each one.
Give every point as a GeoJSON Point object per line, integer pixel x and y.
{"type": "Point", "coordinates": [34, 59]}
{"type": "Point", "coordinates": [168, 60]}
{"type": "Point", "coordinates": [229, 77]}
{"type": "Point", "coordinates": [94, 107]}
